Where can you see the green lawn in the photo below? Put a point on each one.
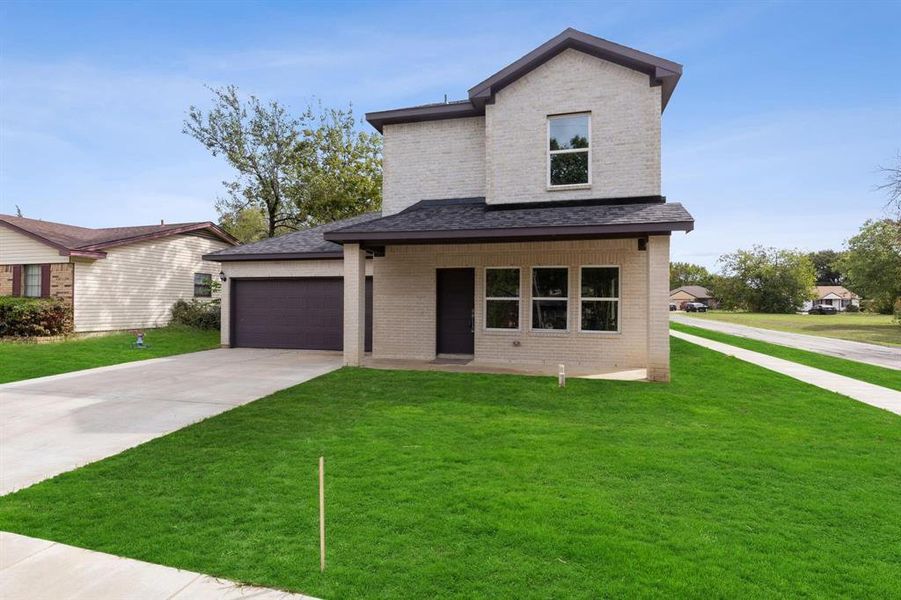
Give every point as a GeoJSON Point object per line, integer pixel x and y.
{"type": "Point", "coordinates": [883, 376]}
{"type": "Point", "coordinates": [858, 327]}
{"type": "Point", "coordinates": [25, 360]}
{"type": "Point", "coordinates": [730, 482]}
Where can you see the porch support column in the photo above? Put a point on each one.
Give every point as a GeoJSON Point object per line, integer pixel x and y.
{"type": "Point", "coordinates": [658, 308]}
{"type": "Point", "coordinates": [354, 303]}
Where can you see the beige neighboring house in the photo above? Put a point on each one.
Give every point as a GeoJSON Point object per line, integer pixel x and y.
{"type": "Point", "coordinates": [115, 278]}
{"type": "Point", "coordinates": [523, 226]}
{"type": "Point", "coordinates": [833, 295]}
{"type": "Point", "coordinates": [692, 293]}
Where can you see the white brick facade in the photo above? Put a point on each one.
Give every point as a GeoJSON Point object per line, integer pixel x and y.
{"type": "Point", "coordinates": [625, 130]}
{"type": "Point", "coordinates": [404, 303]}
{"type": "Point", "coordinates": [431, 161]}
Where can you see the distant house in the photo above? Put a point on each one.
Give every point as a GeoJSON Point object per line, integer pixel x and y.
{"type": "Point", "coordinates": [115, 278]}
{"type": "Point", "coordinates": [692, 293]}
{"type": "Point", "coordinates": [833, 295]}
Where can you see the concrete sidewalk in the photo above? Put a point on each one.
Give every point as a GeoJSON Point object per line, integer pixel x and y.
{"type": "Point", "coordinates": [881, 356]}
{"type": "Point", "coordinates": [868, 393]}
{"type": "Point", "coordinates": [31, 568]}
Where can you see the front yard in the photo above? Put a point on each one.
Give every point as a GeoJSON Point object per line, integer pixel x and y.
{"type": "Point", "coordinates": [857, 327]}
{"type": "Point", "coordinates": [730, 482]}
{"type": "Point", "coordinates": [22, 360]}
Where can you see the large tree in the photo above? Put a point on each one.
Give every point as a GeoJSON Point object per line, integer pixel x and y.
{"type": "Point", "coordinates": [765, 280]}
{"type": "Point", "coordinates": [872, 263]}
{"type": "Point", "coordinates": [298, 170]}
{"type": "Point", "coordinates": [826, 265]}
{"type": "Point", "coordinates": [891, 185]}
{"type": "Point", "coordinates": [683, 273]}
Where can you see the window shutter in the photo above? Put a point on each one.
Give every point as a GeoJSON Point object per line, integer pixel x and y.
{"type": "Point", "coordinates": [17, 280]}
{"type": "Point", "coordinates": [45, 281]}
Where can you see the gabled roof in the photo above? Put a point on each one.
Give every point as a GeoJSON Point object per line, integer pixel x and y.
{"type": "Point", "coordinates": [838, 291]}
{"type": "Point", "coordinates": [304, 244]}
{"type": "Point", "coordinates": [72, 240]}
{"type": "Point", "coordinates": [471, 219]}
{"type": "Point", "coordinates": [660, 72]}
{"type": "Point", "coordinates": [693, 290]}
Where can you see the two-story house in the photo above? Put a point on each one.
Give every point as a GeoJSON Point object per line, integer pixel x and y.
{"type": "Point", "coordinates": [522, 226]}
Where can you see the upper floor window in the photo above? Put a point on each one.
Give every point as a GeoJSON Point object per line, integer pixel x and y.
{"type": "Point", "coordinates": [569, 150]}
{"type": "Point", "coordinates": [31, 274]}
{"type": "Point", "coordinates": [203, 285]}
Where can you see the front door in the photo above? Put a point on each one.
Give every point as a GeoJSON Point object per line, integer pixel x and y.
{"type": "Point", "coordinates": [456, 311]}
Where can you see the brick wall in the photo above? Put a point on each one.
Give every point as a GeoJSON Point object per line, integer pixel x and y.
{"type": "Point", "coordinates": [6, 280]}
{"type": "Point", "coordinates": [404, 303]}
{"type": "Point", "coordinates": [625, 130]}
{"type": "Point", "coordinates": [432, 160]}
{"type": "Point", "coordinates": [62, 280]}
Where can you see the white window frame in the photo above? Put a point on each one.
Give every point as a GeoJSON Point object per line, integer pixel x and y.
{"type": "Point", "coordinates": [567, 299]}
{"type": "Point", "coordinates": [25, 269]}
{"type": "Point", "coordinates": [518, 300]}
{"type": "Point", "coordinates": [549, 152]}
{"type": "Point", "coordinates": [618, 299]}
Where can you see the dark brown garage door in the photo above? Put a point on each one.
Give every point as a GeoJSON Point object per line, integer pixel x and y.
{"type": "Point", "coordinates": [306, 313]}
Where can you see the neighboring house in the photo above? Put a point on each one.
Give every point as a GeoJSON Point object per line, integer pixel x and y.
{"type": "Point", "coordinates": [522, 226]}
{"type": "Point", "coordinates": [833, 295]}
{"type": "Point", "coordinates": [115, 278]}
{"type": "Point", "coordinates": [692, 293]}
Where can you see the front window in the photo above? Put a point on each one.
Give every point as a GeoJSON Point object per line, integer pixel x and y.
{"type": "Point", "coordinates": [502, 298]}
{"type": "Point", "coordinates": [600, 299]}
{"type": "Point", "coordinates": [550, 297]}
{"type": "Point", "coordinates": [32, 278]}
{"type": "Point", "coordinates": [203, 285]}
{"type": "Point", "coordinates": [569, 150]}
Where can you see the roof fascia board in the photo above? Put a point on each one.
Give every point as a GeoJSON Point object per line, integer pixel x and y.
{"type": "Point", "coordinates": [216, 230]}
{"type": "Point", "coordinates": [512, 233]}
{"type": "Point", "coordinates": [274, 256]}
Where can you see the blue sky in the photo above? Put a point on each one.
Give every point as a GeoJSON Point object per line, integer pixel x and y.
{"type": "Point", "coordinates": [773, 136]}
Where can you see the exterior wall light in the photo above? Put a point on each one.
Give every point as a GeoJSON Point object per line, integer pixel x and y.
{"type": "Point", "coordinates": [222, 276]}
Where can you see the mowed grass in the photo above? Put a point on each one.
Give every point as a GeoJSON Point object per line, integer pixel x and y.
{"type": "Point", "coordinates": [858, 327]}
{"type": "Point", "coordinates": [876, 375]}
{"type": "Point", "coordinates": [732, 481]}
{"type": "Point", "coordinates": [20, 360]}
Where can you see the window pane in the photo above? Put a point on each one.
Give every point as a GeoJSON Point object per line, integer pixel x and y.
{"type": "Point", "coordinates": [550, 283]}
{"type": "Point", "coordinates": [549, 314]}
{"type": "Point", "coordinates": [203, 285]}
{"type": "Point", "coordinates": [32, 277]}
{"type": "Point", "coordinates": [600, 282]}
{"type": "Point", "coordinates": [569, 169]}
{"type": "Point", "coordinates": [502, 314]}
{"type": "Point", "coordinates": [599, 315]}
{"type": "Point", "coordinates": [568, 132]}
{"type": "Point", "coordinates": [502, 283]}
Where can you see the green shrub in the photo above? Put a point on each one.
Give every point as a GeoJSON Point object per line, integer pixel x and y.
{"type": "Point", "coordinates": [898, 311]}
{"type": "Point", "coordinates": [34, 317]}
{"type": "Point", "coordinates": [202, 314]}
{"type": "Point", "coordinates": [852, 308]}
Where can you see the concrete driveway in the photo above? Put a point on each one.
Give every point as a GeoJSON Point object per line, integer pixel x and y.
{"type": "Point", "coordinates": [881, 356]}
{"type": "Point", "coordinates": [54, 424]}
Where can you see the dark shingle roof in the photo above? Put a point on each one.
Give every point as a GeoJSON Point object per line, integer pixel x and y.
{"type": "Point", "coordinates": [307, 243]}
{"type": "Point", "coordinates": [694, 290]}
{"type": "Point", "coordinates": [472, 218]}
{"type": "Point", "coordinates": [85, 240]}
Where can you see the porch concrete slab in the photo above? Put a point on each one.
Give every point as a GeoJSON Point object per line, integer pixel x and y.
{"type": "Point", "coordinates": [54, 424]}
{"type": "Point", "coordinates": [861, 391]}
{"type": "Point", "coordinates": [458, 366]}
{"type": "Point", "coordinates": [66, 572]}
{"type": "Point", "coordinates": [15, 548]}
{"type": "Point", "coordinates": [882, 356]}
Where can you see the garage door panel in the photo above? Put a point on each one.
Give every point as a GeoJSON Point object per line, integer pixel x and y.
{"type": "Point", "coordinates": [304, 313]}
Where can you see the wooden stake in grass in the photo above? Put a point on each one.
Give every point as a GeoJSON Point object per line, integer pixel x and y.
{"type": "Point", "coordinates": [321, 514]}
{"type": "Point", "coordinates": [561, 376]}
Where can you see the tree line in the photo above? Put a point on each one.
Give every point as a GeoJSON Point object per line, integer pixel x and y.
{"type": "Point", "coordinates": [775, 280]}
